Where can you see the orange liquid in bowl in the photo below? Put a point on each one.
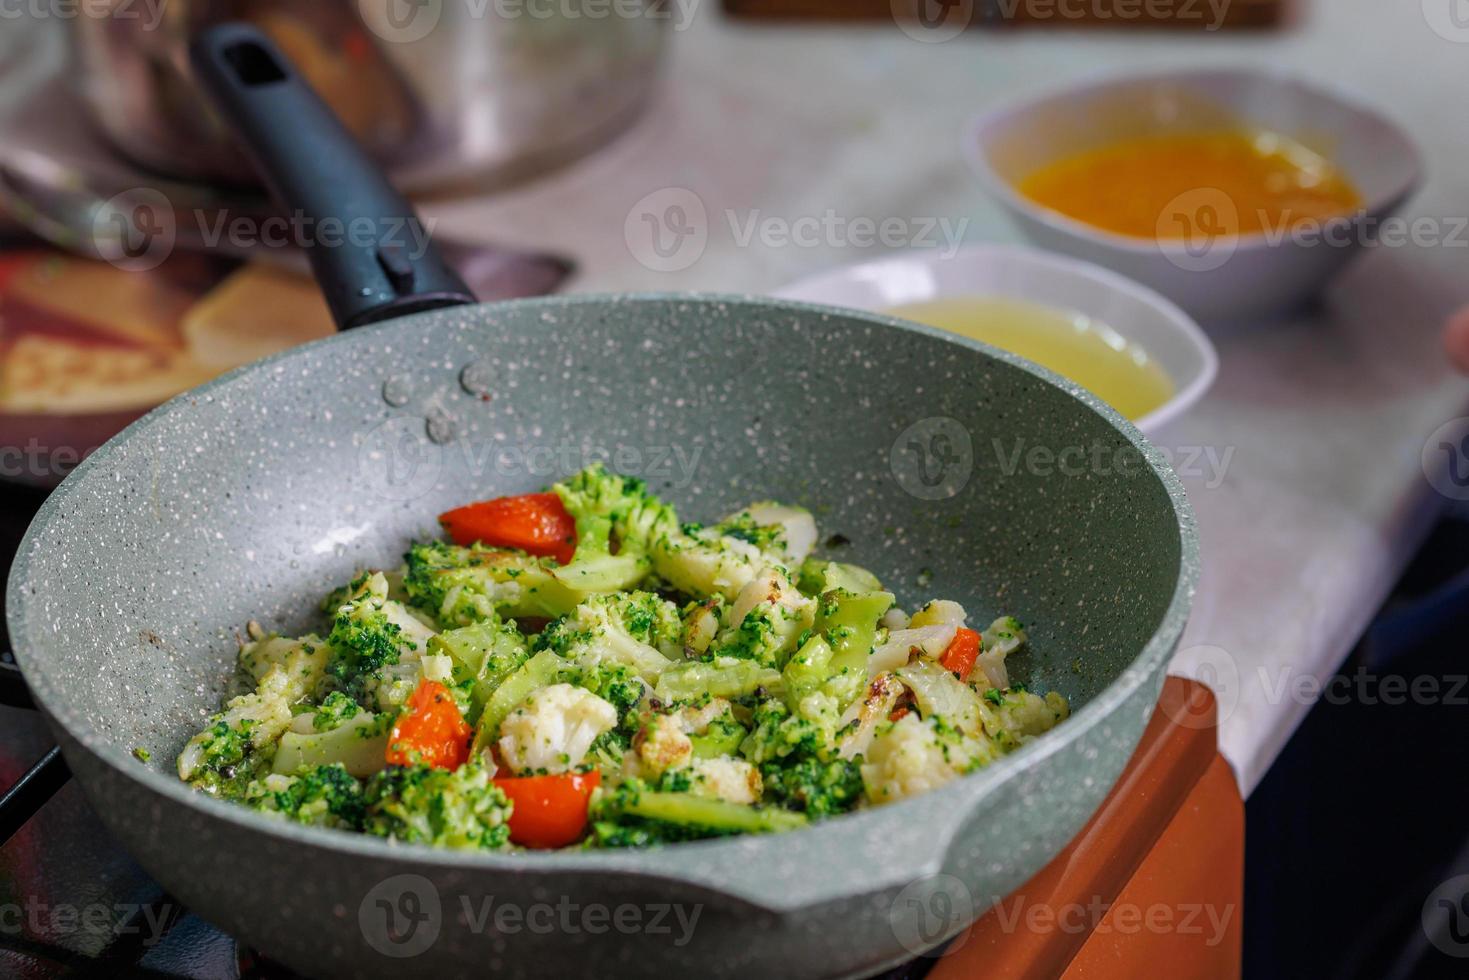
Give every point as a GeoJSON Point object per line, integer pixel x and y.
{"type": "Point", "coordinates": [1159, 186]}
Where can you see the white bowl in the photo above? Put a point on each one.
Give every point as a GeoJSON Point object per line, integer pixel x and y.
{"type": "Point", "coordinates": [1140, 315]}
{"type": "Point", "coordinates": [1213, 274]}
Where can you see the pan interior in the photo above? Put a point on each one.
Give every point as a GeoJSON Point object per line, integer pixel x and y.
{"type": "Point", "coordinates": [946, 469]}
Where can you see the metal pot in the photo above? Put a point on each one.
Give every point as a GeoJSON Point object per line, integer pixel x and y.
{"type": "Point", "coordinates": [439, 91]}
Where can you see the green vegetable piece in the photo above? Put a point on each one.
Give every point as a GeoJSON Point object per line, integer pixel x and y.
{"type": "Point", "coordinates": [484, 655]}
{"type": "Point", "coordinates": [718, 816]}
{"type": "Point", "coordinates": [359, 745]}
{"type": "Point", "coordinates": [807, 671]}
{"type": "Point", "coordinates": [724, 677]}
{"type": "Point", "coordinates": [849, 622]}
{"type": "Point", "coordinates": [326, 796]}
{"type": "Point", "coordinates": [722, 737]}
{"type": "Point", "coordinates": [819, 576]}
{"type": "Point", "coordinates": [462, 809]}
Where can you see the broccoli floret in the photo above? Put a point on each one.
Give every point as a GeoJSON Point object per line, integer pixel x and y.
{"type": "Point", "coordinates": [239, 743]}
{"type": "Point", "coordinates": [370, 633]}
{"type": "Point", "coordinates": [742, 527]}
{"type": "Point", "coordinates": [636, 629]}
{"type": "Point", "coordinates": [224, 758]}
{"type": "Point", "coordinates": [613, 509]}
{"type": "Point", "coordinates": [675, 781]}
{"type": "Point", "coordinates": [608, 750]}
{"type": "Point", "coordinates": [819, 788]}
{"type": "Point", "coordinates": [461, 809]}
{"type": "Point", "coordinates": [325, 796]}
{"type": "Point", "coordinates": [697, 561]}
{"type": "Point", "coordinates": [799, 762]}
{"type": "Point", "coordinates": [767, 620]}
{"type": "Point", "coordinates": [334, 711]}
{"type": "Point", "coordinates": [617, 684]}
{"type": "Point", "coordinates": [461, 586]}
{"type": "Point", "coordinates": [780, 736]}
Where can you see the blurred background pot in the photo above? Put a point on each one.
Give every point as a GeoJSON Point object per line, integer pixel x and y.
{"type": "Point", "coordinates": [440, 91]}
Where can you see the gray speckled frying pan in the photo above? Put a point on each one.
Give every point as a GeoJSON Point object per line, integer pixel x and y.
{"type": "Point", "coordinates": [953, 469]}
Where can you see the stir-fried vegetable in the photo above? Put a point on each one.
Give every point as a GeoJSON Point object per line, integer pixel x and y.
{"type": "Point", "coordinates": [578, 668]}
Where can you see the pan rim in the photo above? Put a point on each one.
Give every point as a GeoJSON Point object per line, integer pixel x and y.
{"type": "Point", "coordinates": [682, 862]}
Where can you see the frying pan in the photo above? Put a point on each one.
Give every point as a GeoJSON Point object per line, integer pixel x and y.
{"type": "Point", "coordinates": [250, 497]}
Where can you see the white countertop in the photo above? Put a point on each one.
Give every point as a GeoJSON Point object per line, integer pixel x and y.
{"type": "Point", "coordinates": [1323, 499]}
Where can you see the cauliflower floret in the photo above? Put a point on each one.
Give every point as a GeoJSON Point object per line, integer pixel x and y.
{"type": "Point", "coordinates": [235, 739]}
{"type": "Point", "coordinates": [303, 661]}
{"type": "Point", "coordinates": [725, 778]}
{"type": "Point", "coordinates": [552, 730]}
{"type": "Point", "coordinates": [663, 745]}
{"type": "Point", "coordinates": [795, 528]}
{"type": "Point", "coordinates": [939, 612]}
{"type": "Point", "coordinates": [1003, 638]}
{"type": "Point", "coordinates": [913, 756]}
{"type": "Point", "coordinates": [767, 618]}
{"type": "Point", "coordinates": [696, 719]}
{"type": "Point", "coordinates": [862, 718]}
{"type": "Point", "coordinates": [701, 622]}
{"type": "Point", "coordinates": [706, 563]}
{"type": "Point", "coordinates": [1012, 718]}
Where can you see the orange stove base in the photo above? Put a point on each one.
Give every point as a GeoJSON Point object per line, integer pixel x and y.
{"type": "Point", "coordinates": [1153, 884]}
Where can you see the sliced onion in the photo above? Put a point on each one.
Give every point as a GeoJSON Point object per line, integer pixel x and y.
{"type": "Point", "coordinates": [899, 648]}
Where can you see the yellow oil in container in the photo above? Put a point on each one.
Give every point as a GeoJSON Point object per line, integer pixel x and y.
{"type": "Point", "coordinates": [1083, 349]}
{"type": "Point", "coordinates": [1132, 186]}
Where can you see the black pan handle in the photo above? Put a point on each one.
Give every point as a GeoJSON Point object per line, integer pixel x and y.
{"type": "Point", "coordinates": [369, 250]}
{"type": "Point", "coordinates": [13, 690]}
